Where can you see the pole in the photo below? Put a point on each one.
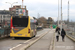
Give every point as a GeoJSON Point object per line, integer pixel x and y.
{"type": "Point", "coordinates": [68, 13]}
{"type": "Point", "coordinates": [2, 20]}
{"type": "Point", "coordinates": [61, 15]}
{"type": "Point", "coordinates": [74, 28]}
{"type": "Point", "coordinates": [22, 3]}
{"type": "Point", "coordinates": [11, 6]}
{"type": "Point", "coordinates": [38, 15]}
{"type": "Point", "coordinates": [11, 9]}
{"type": "Point", "coordinates": [58, 12]}
{"type": "Point", "coordinates": [22, 7]}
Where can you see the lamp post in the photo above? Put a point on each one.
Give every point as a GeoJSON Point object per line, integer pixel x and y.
{"type": "Point", "coordinates": [68, 10]}
{"type": "Point", "coordinates": [68, 14]}
{"type": "Point", "coordinates": [11, 5]}
{"type": "Point", "coordinates": [61, 15]}
{"type": "Point", "coordinates": [58, 12]}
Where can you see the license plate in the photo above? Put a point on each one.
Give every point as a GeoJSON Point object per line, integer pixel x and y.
{"type": "Point", "coordinates": [19, 34]}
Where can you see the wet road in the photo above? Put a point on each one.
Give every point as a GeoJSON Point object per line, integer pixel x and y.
{"type": "Point", "coordinates": [10, 42]}
{"type": "Point", "coordinates": [43, 43]}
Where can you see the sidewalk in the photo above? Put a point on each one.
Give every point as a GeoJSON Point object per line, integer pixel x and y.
{"type": "Point", "coordinates": [2, 37]}
{"type": "Point", "coordinates": [43, 43]}
{"type": "Point", "coordinates": [67, 45]}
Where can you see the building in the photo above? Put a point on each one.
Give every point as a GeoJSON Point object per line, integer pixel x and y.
{"type": "Point", "coordinates": [46, 22]}
{"type": "Point", "coordinates": [13, 9]}
{"type": "Point", "coordinates": [17, 10]}
{"type": "Point", "coordinates": [49, 21]}
{"type": "Point", "coordinates": [4, 17]}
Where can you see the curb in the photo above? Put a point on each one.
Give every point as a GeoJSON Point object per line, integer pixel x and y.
{"type": "Point", "coordinates": [4, 37]}
{"type": "Point", "coordinates": [71, 38]}
{"type": "Point", "coordinates": [52, 44]}
{"type": "Point", "coordinates": [9, 36]}
{"type": "Point", "coordinates": [25, 47]}
{"type": "Point", "coordinates": [28, 45]}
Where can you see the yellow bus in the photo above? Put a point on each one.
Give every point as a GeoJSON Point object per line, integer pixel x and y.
{"type": "Point", "coordinates": [23, 26]}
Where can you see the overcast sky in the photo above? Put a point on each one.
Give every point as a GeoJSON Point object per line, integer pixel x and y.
{"type": "Point", "coordinates": [46, 8]}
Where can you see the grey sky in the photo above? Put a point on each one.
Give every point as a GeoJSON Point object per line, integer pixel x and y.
{"type": "Point", "coordinates": [46, 8]}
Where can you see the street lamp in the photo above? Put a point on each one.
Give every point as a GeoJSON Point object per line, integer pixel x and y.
{"type": "Point", "coordinates": [61, 15]}
{"type": "Point", "coordinates": [11, 5]}
{"type": "Point", "coordinates": [58, 12]}
{"type": "Point", "coordinates": [68, 15]}
{"type": "Point", "coordinates": [68, 11]}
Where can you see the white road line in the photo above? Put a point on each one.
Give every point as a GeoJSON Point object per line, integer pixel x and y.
{"type": "Point", "coordinates": [23, 42]}
{"type": "Point", "coordinates": [26, 41]}
{"type": "Point", "coordinates": [15, 47]}
{"type": "Point", "coordinates": [40, 34]}
{"type": "Point", "coordinates": [33, 41]}
{"type": "Point", "coordinates": [18, 45]}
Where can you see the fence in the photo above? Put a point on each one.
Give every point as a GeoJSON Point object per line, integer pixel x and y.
{"type": "Point", "coordinates": [70, 30]}
{"type": "Point", "coordinates": [4, 32]}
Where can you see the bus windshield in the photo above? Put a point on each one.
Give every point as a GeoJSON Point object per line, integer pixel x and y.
{"type": "Point", "coordinates": [20, 22]}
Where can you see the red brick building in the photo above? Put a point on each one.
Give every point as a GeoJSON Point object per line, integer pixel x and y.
{"type": "Point", "coordinates": [15, 10]}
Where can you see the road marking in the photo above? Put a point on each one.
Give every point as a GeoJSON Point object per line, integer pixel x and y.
{"type": "Point", "coordinates": [31, 42]}
{"type": "Point", "coordinates": [26, 41]}
{"type": "Point", "coordinates": [18, 45]}
{"type": "Point", "coordinates": [40, 34]}
{"type": "Point", "coordinates": [21, 44]}
{"type": "Point", "coordinates": [52, 42]}
{"type": "Point", "coordinates": [15, 47]}
{"type": "Point", "coordinates": [25, 47]}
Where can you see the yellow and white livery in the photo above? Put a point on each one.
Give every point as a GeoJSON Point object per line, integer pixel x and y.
{"type": "Point", "coordinates": [23, 26]}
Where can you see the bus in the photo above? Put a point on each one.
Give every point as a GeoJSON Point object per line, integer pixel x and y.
{"type": "Point", "coordinates": [23, 26]}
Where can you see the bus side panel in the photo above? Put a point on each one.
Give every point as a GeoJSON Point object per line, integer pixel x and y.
{"type": "Point", "coordinates": [33, 27]}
